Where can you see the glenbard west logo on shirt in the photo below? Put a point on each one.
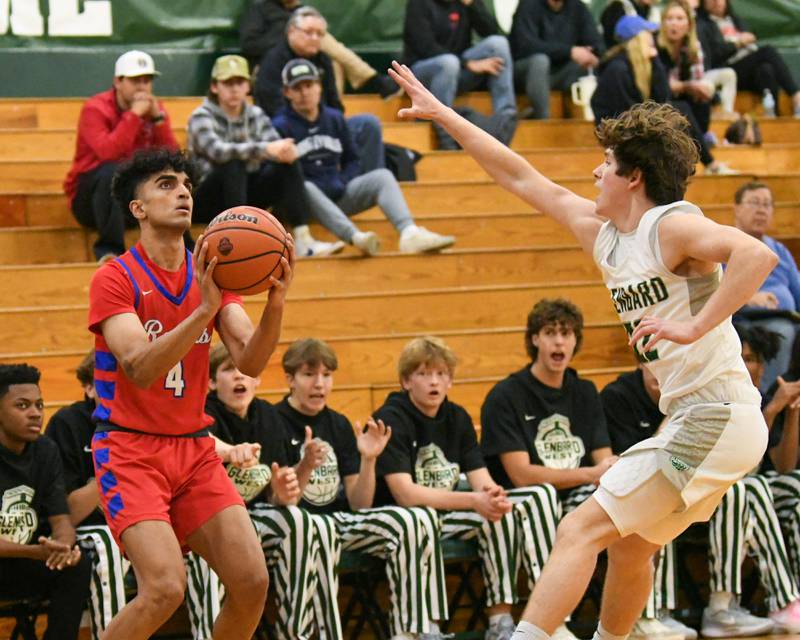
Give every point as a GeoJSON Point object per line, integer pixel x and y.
{"type": "Point", "coordinates": [251, 481]}
{"type": "Point", "coordinates": [323, 485]}
{"type": "Point", "coordinates": [435, 471]}
{"type": "Point", "coordinates": [555, 444]}
{"type": "Point", "coordinates": [18, 520]}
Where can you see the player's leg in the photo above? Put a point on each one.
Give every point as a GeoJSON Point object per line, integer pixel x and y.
{"type": "Point", "coordinates": [109, 566]}
{"type": "Point", "coordinates": [288, 538]}
{"type": "Point", "coordinates": [227, 541]}
{"type": "Point", "coordinates": [157, 561]}
{"type": "Point", "coordinates": [204, 594]}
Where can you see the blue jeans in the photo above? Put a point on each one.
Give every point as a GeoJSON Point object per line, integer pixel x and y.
{"type": "Point", "coordinates": [445, 77]}
{"type": "Point", "coordinates": [368, 138]}
{"type": "Point", "coordinates": [537, 75]}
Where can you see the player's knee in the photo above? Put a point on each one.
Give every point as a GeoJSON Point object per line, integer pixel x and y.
{"type": "Point", "coordinates": [250, 586]}
{"type": "Point", "coordinates": [164, 592]}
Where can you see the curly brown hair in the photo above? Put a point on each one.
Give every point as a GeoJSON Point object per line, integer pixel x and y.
{"type": "Point", "coordinates": [653, 138]}
{"type": "Point", "coordinates": [553, 311]}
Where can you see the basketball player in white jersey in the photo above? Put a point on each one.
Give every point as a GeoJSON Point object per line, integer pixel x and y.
{"type": "Point", "coordinates": [660, 259]}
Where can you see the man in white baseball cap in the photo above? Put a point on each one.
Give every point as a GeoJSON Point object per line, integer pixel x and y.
{"type": "Point", "coordinates": [113, 124]}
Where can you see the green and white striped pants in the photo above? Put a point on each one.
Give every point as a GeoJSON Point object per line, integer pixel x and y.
{"type": "Point", "coordinates": [786, 491]}
{"type": "Point", "coordinates": [746, 519]}
{"type": "Point", "coordinates": [109, 566]}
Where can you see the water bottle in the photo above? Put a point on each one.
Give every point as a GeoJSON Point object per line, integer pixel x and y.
{"type": "Point", "coordinates": [768, 102]}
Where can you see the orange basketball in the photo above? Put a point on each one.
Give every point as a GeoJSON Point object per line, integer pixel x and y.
{"type": "Point", "coordinates": [248, 243]}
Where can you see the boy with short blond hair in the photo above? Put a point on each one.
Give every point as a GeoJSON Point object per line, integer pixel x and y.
{"type": "Point", "coordinates": [338, 480]}
{"type": "Point", "coordinates": [433, 443]}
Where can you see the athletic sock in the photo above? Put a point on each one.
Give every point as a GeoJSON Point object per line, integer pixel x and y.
{"type": "Point", "coordinates": [602, 634]}
{"type": "Point", "coordinates": [528, 631]}
{"type": "Point", "coordinates": [720, 600]}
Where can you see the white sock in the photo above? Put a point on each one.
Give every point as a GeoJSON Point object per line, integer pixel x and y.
{"type": "Point", "coordinates": [528, 631]}
{"type": "Point", "coordinates": [720, 600]}
{"type": "Point", "coordinates": [302, 232]}
{"type": "Point", "coordinates": [497, 617]}
{"type": "Point", "coordinates": [602, 634]}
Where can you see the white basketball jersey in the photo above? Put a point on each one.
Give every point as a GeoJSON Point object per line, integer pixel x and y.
{"type": "Point", "coordinates": [641, 285]}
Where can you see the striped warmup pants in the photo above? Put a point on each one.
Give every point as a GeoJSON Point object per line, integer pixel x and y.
{"type": "Point", "coordinates": [786, 491]}
{"type": "Point", "coordinates": [663, 593]}
{"type": "Point", "coordinates": [746, 520]}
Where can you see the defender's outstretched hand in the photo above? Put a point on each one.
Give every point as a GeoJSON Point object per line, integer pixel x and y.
{"type": "Point", "coordinates": [424, 104]}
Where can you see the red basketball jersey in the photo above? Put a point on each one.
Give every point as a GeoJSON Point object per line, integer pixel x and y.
{"type": "Point", "coordinates": [174, 404]}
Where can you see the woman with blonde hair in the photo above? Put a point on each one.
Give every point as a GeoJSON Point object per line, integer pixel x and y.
{"type": "Point", "coordinates": [632, 73]}
{"type": "Point", "coordinates": [682, 54]}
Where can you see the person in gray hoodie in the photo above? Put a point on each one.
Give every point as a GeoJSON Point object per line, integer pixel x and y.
{"type": "Point", "coordinates": [242, 159]}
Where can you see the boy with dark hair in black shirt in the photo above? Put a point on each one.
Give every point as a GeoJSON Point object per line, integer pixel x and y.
{"type": "Point", "coordinates": [543, 426]}
{"type": "Point", "coordinates": [38, 554]}
{"type": "Point", "coordinates": [433, 443]}
{"type": "Point", "coordinates": [339, 488]}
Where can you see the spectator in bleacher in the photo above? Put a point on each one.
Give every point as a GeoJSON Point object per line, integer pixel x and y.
{"type": "Point", "coordinates": [263, 26]}
{"type": "Point", "coordinates": [304, 34]}
{"type": "Point", "coordinates": [39, 557]}
{"type": "Point", "coordinates": [256, 445]}
{"type": "Point", "coordinates": [553, 42]}
{"type": "Point", "coordinates": [242, 159]}
{"type": "Point", "coordinates": [340, 492]}
{"type": "Point", "coordinates": [631, 408]}
{"type": "Point", "coordinates": [632, 73]}
{"type": "Point", "coordinates": [112, 125]}
{"type": "Point", "coordinates": [615, 9]}
{"type": "Point", "coordinates": [72, 428]}
{"type": "Point", "coordinates": [433, 442]}
{"type": "Point", "coordinates": [437, 45]}
{"type": "Point", "coordinates": [543, 428]}
{"type": "Point", "coordinates": [746, 520]}
{"type": "Point", "coordinates": [682, 56]}
{"type": "Point", "coordinates": [775, 305]}
{"type": "Point", "coordinates": [728, 43]}
{"type": "Point", "coordinates": [330, 164]}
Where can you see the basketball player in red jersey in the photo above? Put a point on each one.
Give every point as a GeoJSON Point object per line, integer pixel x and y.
{"type": "Point", "coordinates": [162, 486]}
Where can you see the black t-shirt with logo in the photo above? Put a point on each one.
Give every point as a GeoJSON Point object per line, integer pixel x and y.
{"type": "Point", "coordinates": [261, 425]}
{"type": "Point", "coordinates": [559, 428]}
{"type": "Point", "coordinates": [435, 451]}
{"type": "Point", "coordinates": [72, 428]}
{"type": "Point", "coordinates": [631, 414]}
{"type": "Point", "coordinates": [324, 492]}
{"type": "Point", "coordinates": [31, 491]}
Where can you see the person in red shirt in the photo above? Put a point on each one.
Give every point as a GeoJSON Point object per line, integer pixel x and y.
{"type": "Point", "coordinates": [153, 311]}
{"type": "Point", "coordinates": [112, 125]}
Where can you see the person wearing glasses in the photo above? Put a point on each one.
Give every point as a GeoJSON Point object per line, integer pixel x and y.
{"type": "Point", "coordinates": [775, 305]}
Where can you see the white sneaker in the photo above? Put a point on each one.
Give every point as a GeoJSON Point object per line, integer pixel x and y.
{"type": "Point", "coordinates": [305, 248]}
{"type": "Point", "coordinates": [653, 629]}
{"type": "Point", "coordinates": [676, 625]}
{"type": "Point", "coordinates": [733, 622]}
{"type": "Point", "coordinates": [367, 242]}
{"type": "Point", "coordinates": [503, 629]}
{"type": "Point", "coordinates": [419, 239]}
{"type": "Point", "coordinates": [721, 169]}
{"type": "Point", "coordinates": [563, 633]}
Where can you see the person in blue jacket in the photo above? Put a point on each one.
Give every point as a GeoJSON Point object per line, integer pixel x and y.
{"type": "Point", "coordinates": [330, 164]}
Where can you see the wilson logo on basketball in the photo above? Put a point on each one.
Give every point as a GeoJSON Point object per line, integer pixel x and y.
{"type": "Point", "coordinates": [229, 216]}
{"type": "Point", "coordinates": [225, 246]}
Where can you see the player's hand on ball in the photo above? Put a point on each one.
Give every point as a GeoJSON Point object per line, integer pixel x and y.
{"type": "Point", "coordinates": [658, 329]}
{"type": "Point", "coordinates": [210, 292]}
{"type": "Point", "coordinates": [424, 104]}
{"type": "Point", "coordinates": [371, 439]}
{"type": "Point", "coordinates": [244, 455]}
{"type": "Point", "coordinates": [280, 286]}
{"type": "Point", "coordinates": [285, 486]}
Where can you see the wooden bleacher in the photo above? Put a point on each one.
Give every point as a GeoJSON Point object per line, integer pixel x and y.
{"type": "Point", "coordinates": [475, 295]}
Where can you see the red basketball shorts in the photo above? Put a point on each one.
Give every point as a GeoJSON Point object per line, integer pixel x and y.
{"type": "Point", "coordinates": [148, 477]}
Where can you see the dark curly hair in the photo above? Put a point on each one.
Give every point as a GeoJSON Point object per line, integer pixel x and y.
{"type": "Point", "coordinates": [558, 311]}
{"type": "Point", "coordinates": [130, 175]}
{"type": "Point", "coordinates": [653, 138]}
{"type": "Point", "coordinates": [17, 374]}
{"type": "Point", "coordinates": [762, 342]}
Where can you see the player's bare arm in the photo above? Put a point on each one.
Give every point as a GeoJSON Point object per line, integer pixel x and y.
{"type": "Point", "coordinates": [508, 169]}
{"type": "Point", "coordinates": [690, 246]}
{"type": "Point", "coordinates": [145, 361]}
{"type": "Point", "coordinates": [250, 347]}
